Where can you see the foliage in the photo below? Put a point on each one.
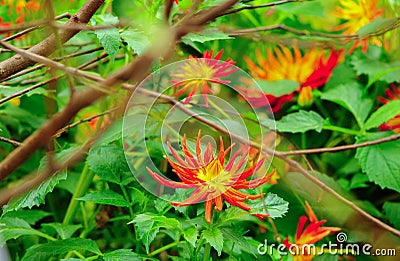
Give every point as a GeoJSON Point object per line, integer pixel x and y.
{"type": "Point", "coordinates": [140, 186]}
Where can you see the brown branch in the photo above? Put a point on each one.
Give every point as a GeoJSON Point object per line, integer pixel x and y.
{"type": "Point", "coordinates": [28, 30]}
{"type": "Point", "coordinates": [49, 45]}
{"type": "Point", "coordinates": [72, 125]}
{"type": "Point", "coordinates": [251, 7]}
{"type": "Point", "coordinates": [12, 142]}
{"type": "Point", "coordinates": [341, 148]}
{"type": "Point", "coordinates": [22, 92]}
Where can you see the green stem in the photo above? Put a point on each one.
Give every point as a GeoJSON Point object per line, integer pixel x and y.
{"type": "Point", "coordinates": [207, 250]}
{"type": "Point", "coordinates": [158, 251]}
{"type": "Point", "coordinates": [127, 198]}
{"type": "Point", "coordinates": [83, 185]}
{"type": "Point", "coordinates": [341, 129]}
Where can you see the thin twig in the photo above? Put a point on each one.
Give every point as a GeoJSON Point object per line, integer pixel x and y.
{"type": "Point", "coordinates": [12, 142]}
{"type": "Point", "coordinates": [340, 148]}
{"type": "Point", "coordinates": [28, 30]}
{"type": "Point", "coordinates": [250, 7]}
{"type": "Point", "coordinates": [72, 125]}
{"type": "Point", "coordinates": [283, 27]}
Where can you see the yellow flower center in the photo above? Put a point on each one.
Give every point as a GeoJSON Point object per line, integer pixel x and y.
{"type": "Point", "coordinates": [215, 177]}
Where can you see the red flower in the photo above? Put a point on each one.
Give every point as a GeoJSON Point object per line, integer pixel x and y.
{"type": "Point", "coordinates": [310, 70]}
{"type": "Point", "coordinates": [210, 179]}
{"type": "Point", "coordinates": [393, 93]}
{"type": "Point", "coordinates": [307, 235]}
{"type": "Point", "coordinates": [198, 73]}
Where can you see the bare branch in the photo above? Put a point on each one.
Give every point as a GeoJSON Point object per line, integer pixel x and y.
{"type": "Point", "coordinates": [340, 148]}
{"type": "Point", "coordinates": [251, 7]}
{"type": "Point", "coordinates": [12, 142]}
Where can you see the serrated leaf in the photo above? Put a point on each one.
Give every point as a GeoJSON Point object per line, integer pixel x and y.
{"type": "Point", "coordinates": [109, 163]}
{"type": "Point", "coordinates": [232, 234]}
{"type": "Point", "coordinates": [12, 228]}
{"type": "Point", "coordinates": [392, 211]}
{"type": "Point", "coordinates": [30, 216]}
{"type": "Point", "coordinates": [190, 234]}
{"type": "Point", "coordinates": [37, 196]}
{"type": "Point", "coordinates": [273, 205]}
{"type": "Point", "coordinates": [376, 25]}
{"type": "Point", "coordinates": [136, 40]}
{"type": "Point", "coordinates": [121, 255]}
{"type": "Point", "coordinates": [301, 121]}
{"type": "Point", "coordinates": [383, 114]}
{"type": "Point", "coordinates": [149, 224]}
{"type": "Point", "coordinates": [44, 251]}
{"type": "Point", "coordinates": [109, 38]}
{"type": "Point", "coordinates": [278, 88]}
{"type": "Point", "coordinates": [351, 97]}
{"type": "Point", "coordinates": [376, 70]}
{"type": "Point", "coordinates": [64, 231]}
{"type": "Point", "coordinates": [380, 161]}
{"type": "Point", "coordinates": [108, 197]}
{"type": "Point", "coordinates": [214, 237]}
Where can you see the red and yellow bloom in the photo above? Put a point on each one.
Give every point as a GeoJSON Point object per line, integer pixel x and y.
{"type": "Point", "coordinates": [211, 180]}
{"type": "Point", "coordinates": [197, 74]}
{"type": "Point", "coordinates": [310, 70]}
{"type": "Point", "coordinates": [392, 93]}
{"type": "Point", "coordinates": [356, 14]}
{"type": "Point", "coordinates": [307, 235]}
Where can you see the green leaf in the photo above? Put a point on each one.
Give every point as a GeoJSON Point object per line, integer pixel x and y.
{"type": "Point", "coordinates": [7, 91]}
{"type": "Point", "coordinates": [109, 163]}
{"type": "Point", "coordinates": [383, 114]}
{"type": "Point", "coordinates": [149, 224]}
{"type": "Point", "coordinates": [45, 251]}
{"type": "Point", "coordinates": [301, 121]}
{"type": "Point", "coordinates": [37, 196]}
{"type": "Point", "coordinates": [108, 197]}
{"type": "Point", "coordinates": [272, 205]}
{"type": "Point", "coordinates": [214, 237]}
{"type": "Point", "coordinates": [392, 211]}
{"type": "Point", "coordinates": [64, 231]}
{"type": "Point", "coordinates": [209, 34]}
{"type": "Point", "coordinates": [351, 97]}
{"type": "Point", "coordinates": [30, 216]}
{"type": "Point", "coordinates": [380, 161]}
{"type": "Point", "coordinates": [121, 255]}
{"type": "Point", "coordinates": [12, 228]}
{"type": "Point", "coordinates": [234, 235]}
{"type": "Point", "coordinates": [376, 25]}
{"type": "Point", "coordinates": [278, 88]}
{"type": "Point", "coordinates": [370, 65]}
{"type": "Point", "coordinates": [190, 234]}
{"type": "Point", "coordinates": [109, 38]}
{"type": "Point", "coordinates": [136, 40]}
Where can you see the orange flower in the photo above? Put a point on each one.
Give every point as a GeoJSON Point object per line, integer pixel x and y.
{"type": "Point", "coordinates": [357, 14]}
{"type": "Point", "coordinates": [311, 234]}
{"type": "Point", "coordinates": [210, 179]}
{"type": "Point", "coordinates": [310, 70]}
{"type": "Point", "coordinates": [393, 94]}
{"type": "Point", "coordinates": [197, 73]}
